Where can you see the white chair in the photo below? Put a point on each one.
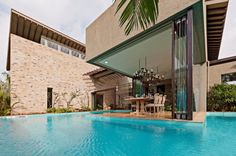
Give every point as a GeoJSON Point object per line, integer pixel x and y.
{"type": "Point", "coordinates": [157, 100]}
{"type": "Point", "coordinates": [161, 106]}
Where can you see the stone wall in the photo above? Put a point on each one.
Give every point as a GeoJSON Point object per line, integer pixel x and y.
{"type": "Point", "coordinates": [35, 67]}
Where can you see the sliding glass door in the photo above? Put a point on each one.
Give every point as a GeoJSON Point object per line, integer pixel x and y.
{"type": "Point", "coordinates": [182, 65]}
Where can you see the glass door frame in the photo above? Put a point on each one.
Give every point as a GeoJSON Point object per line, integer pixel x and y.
{"type": "Point", "coordinates": [189, 80]}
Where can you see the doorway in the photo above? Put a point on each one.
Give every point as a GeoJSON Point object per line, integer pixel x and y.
{"type": "Point", "coordinates": [98, 101]}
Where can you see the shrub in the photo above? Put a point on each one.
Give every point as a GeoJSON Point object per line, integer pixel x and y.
{"type": "Point", "coordinates": [59, 110]}
{"type": "Point", "coordinates": [222, 97]}
{"type": "Point", "coordinates": [85, 108]}
{"type": "Point", "coordinates": [51, 110]}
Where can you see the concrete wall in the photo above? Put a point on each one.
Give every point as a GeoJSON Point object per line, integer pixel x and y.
{"type": "Point", "coordinates": [200, 86]}
{"type": "Point", "coordinates": [215, 72]}
{"type": "Point", "coordinates": [105, 32]}
{"type": "Point", "coordinates": [35, 67]}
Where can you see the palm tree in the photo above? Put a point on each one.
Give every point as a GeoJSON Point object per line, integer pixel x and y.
{"type": "Point", "coordinates": [138, 13]}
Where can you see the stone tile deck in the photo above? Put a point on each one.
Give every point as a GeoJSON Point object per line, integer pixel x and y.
{"type": "Point", "coordinates": [197, 116]}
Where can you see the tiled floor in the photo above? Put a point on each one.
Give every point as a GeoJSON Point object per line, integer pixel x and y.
{"type": "Point", "coordinates": [197, 117]}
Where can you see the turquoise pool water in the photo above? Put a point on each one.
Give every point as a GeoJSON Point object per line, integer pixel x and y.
{"type": "Point", "coordinates": [84, 134]}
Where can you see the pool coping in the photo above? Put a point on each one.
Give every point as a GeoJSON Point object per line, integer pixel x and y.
{"type": "Point", "coordinates": [223, 114]}
{"type": "Point", "coordinates": [60, 114]}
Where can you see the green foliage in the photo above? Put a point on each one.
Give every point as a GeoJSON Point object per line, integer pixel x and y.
{"type": "Point", "coordinates": [222, 97]}
{"type": "Point", "coordinates": [138, 13]}
{"type": "Point", "coordinates": [5, 103]}
{"type": "Point", "coordinates": [85, 108]}
{"type": "Point", "coordinates": [99, 107]}
{"type": "Point", "coordinates": [59, 110]}
{"type": "Point", "coordinates": [168, 107]}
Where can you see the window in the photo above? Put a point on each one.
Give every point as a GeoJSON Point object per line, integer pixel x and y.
{"type": "Point", "coordinates": [61, 47]}
{"type": "Point", "coordinates": [229, 78]}
{"type": "Point", "coordinates": [75, 53]}
{"type": "Point", "coordinates": [42, 41]}
{"type": "Point", "coordinates": [65, 50]}
{"type": "Point", "coordinates": [52, 45]}
{"type": "Point", "coordinates": [83, 56]}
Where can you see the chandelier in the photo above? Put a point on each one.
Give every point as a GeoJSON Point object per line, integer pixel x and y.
{"type": "Point", "coordinates": [147, 76]}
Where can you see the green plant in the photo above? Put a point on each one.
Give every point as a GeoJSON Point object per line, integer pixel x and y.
{"type": "Point", "coordinates": [222, 97]}
{"type": "Point", "coordinates": [138, 13]}
{"type": "Point", "coordinates": [51, 110]}
{"type": "Point", "coordinates": [5, 103]}
{"type": "Point", "coordinates": [85, 108]}
{"type": "Point", "coordinates": [99, 107]}
{"type": "Point", "coordinates": [168, 107]}
{"type": "Point", "coordinates": [59, 110]}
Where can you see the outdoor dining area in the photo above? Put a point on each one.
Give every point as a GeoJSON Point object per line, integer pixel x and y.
{"type": "Point", "coordinates": [148, 105]}
{"type": "Point", "coordinates": [147, 100]}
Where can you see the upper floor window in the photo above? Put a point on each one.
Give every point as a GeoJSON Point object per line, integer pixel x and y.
{"type": "Point", "coordinates": [60, 47]}
{"type": "Point", "coordinates": [43, 41]}
{"type": "Point", "coordinates": [83, 56]}
{"type": "Point", "coordinates": [229, 78]}
{"type": "Point", "coordinates": [65, 50]}
{"type": "Point", "coordinates": [52, 45]}
{"type": "Point", "coordinates": [75, 53]}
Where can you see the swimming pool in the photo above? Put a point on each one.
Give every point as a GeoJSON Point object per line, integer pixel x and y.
{"type": "Point", "coordinates": [87, 134]}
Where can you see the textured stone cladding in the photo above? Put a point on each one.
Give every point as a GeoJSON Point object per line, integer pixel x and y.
{"type": "Point", "coordinates": [216, 71]}
{"type": "Point", "coordinates": [35, 67]}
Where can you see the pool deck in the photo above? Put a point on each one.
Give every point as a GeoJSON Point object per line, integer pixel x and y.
{"type": "Point", "coordinates": [198, 117]}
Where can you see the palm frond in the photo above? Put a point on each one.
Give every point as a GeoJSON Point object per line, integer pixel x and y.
{"type": "Point", "coordinates": [137, 13]}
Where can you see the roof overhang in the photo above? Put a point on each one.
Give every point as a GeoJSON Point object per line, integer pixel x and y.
{"type": "Point", "coordinates": [223, 61]}
{"type": "Point", "coordinates": [28, 28]}
{"type": "Point", "coordinates": [216, 15]}
{"type": "Point", "coordinates": [154, 43]}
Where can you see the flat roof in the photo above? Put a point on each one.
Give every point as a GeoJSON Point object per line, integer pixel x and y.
{"type": "Point", "coordinates": [223, 60]}
{"type": "Point", "coordinates": [31, 29]}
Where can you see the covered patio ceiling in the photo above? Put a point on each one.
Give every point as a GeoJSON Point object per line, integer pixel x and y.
{"type": "Point", "coordinates": [156, 47]}
{"type": "Point", "coordinates": [155, 43]}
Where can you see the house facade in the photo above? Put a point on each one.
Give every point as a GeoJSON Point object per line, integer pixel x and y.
{"type": "Point", "coordinates": [47, 67]}
{"type": "Point", "coordinates": [180, 46]}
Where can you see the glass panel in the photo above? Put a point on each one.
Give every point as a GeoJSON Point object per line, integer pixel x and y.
{"type": "Point", "coordinates": [65, 50]}
{"type": "Point", "coordinates": [229, 78]}
{"type": "Point", "coordinates": [181, 65]}
{"type": "Point", "coordinates": [139, 91]}
{"type": "Point", "coordinates": [52, 45]}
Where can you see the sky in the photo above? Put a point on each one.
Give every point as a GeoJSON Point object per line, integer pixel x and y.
{"type": "Point", "coordinates": [73, 16]}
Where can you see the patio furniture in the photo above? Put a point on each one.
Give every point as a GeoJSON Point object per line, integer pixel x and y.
{"type": "Point", "coordinates": [161, 106]}
{"type": "Point", "coordinates": [159, 103]}
{"type": "Point", "coordinates": [133, 107]}
{"type": "Point", "coordinates": [139, 104]}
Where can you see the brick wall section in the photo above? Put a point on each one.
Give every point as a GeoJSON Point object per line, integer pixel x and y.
{"type": "Point", "coordinates": [35, 67]}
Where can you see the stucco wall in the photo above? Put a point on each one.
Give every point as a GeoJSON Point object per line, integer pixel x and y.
{"type": "Point", "coordinates": [105, 32]}
{"type": "Point", "coordinates": [35, 67]}
{"type": "Point", "coordinates": [200, 86]}
{"type": "Point", "coordinates": [216, 71]}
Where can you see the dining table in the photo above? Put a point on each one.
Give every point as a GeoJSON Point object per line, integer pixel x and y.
{"type": "Point", "coordinates": [140, 102]}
